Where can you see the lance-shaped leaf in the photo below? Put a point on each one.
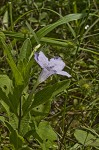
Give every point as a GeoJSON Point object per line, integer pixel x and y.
{"type": "Point", "coordinates": [16, 73]}
{"type": "Point", "coordinates": [15, 138]}
{"type": "Point", "coordinates": [24, 64]}
{"type": "Point", "coordinates": [47, 93]}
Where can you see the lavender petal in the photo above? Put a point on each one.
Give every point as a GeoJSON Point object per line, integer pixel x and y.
{"type": "Point", "coordinates": [41, 59]}
{"type": "Point", "coordinates": [44, 75]}
{"type": "Point", "coordinates": [57, 64]}
{"type": "Point", "coordinates": [63, 73]}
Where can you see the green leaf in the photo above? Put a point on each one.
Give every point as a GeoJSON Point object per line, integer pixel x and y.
{"type": "Point", "coordinates": [4, 97]}
{"type": "Point", "coordinates": [6, 84]}
{"type": "Point", "coordinates": [5, 20]}
{"type": "Point", "coordinates": [43, 15]}
{"type": "Point", "coordinates": [60, 87]}
{"type": "Point", "coordinates": [14, 98]}
{"type": "Point", "coordinates": [50, 40]}
{"type": "Point", "coordinates": [9, 95]}
{"type": "Point", "coordinates": [16, 73]}
{"type": "Point", "coordinates": [45, 30]}
{"type": "Point", "coordinates": [10, 102]}
{"type": "Point", "coordinates": [17, 35]}
{"type": "Point", "coordinates": [34, 34]}
{"type": "Point", "coordinates": [42, 96]}
{"type": "Point", "coordinates": [5, 106]}
{"type": "Point", "coordinates": [47, 134]}
{"type": "Point", "coordinates": [24, 64]}
{"type": "Point", "coordinates": [3, 36]}
{"type": "Point", "coordinates": [47, 93]}
{"type": "Point", "coordinates": [84, 137]}
{"type": "Point", "coordinates": [95, 143]}
{"type": "Point", "coordinates": [2, 119]}
{"type": "Point", "coordinates": [25, 51]}
{"type": "Point", "coordinates": [41, 111]}
{"type": "Point", "coordinates": [27, 70]}
{"type": "Point", "coordinates": [24, 127]}
{"type": "Point", "coordinates": [13, 120]}
{"type": "Point", "coordinates": [26, 148]}
{"type": "Point", "coordinates": [58, 42]}
{"type": "Point", "coordinates": [15, 138]}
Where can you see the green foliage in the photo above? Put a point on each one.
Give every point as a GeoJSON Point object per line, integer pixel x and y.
{"type": "Point", "coordinates": [16, 73]}
{"type": "Point", "coordinates": [24, 127]}
{"type": "Point", "coordinates": [5, 20]}
{"type": "Point", "coordinates": [86, 138]}
{"type": "Point", "coordinates": [45, 30]}
{"type": "Point", "coordinates": [25, 51]}
{"type": "Point", "coordinates": [48, 136]}
{"type": "Point", "coordinates": [47, 93]}
{"type": "Point", "coordinates": [15, 139]}
{"type": "Point", "coordinates": [41, 111]}
{"type": "Point", "coordinates": [48, 116]}
{"type": "Point", "coordinates": [24, 64]}
{"type": "Point", "coordinates": [11, 100]}
{"type": "Point", "coordinates": [6, 84]}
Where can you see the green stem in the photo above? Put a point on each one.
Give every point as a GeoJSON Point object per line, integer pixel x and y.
{"type": "Point", "coordinates": [33, 90]}
{"type": "Point", "coordinates": [78, 46]}
{"type": "Point", "coordinates": [29, 99]}
{"type": "Point", "coordinates": [10, 10]}
{"type": "Point", "coordinates": [20, 115]}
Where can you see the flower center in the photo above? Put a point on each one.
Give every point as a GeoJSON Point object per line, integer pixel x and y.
{"type": "Point", "coordinates": [50, 68]}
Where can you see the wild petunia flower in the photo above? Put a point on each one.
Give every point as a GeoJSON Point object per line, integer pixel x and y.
{"type": "Point", "coordinates": [49, 67]}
